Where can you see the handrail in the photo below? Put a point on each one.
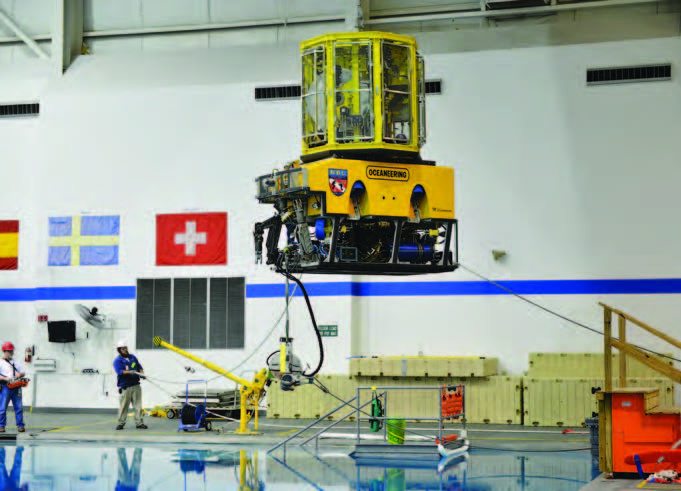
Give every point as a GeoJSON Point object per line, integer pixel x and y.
{"type": "Point", "coordinates": [322, 418]}
{"type": "Point", "coordinates": [627, 349]}
{"type": "Point", "coordinates": [338, 421]}
{"type": "Point", "coordinates": [643, 325]}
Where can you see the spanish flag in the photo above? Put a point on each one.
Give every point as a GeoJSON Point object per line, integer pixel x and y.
{"type": "Point", "coordinates": [9, 244]}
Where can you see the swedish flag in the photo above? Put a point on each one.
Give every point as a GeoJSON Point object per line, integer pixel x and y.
{"type": "Point", "coordinates": [84, 240]}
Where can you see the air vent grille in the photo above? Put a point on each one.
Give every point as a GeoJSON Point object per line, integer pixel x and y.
{"type": "Point", "coordinates": [434, 86]}
{"type": "Point", "coordinates": [19, 110]}
{"type": "Point", "coordinates": [621, 75]}
{"type": "Point", "coordinates": [277, 92]}
{"type": "Point", "coordinates": [289, 92]}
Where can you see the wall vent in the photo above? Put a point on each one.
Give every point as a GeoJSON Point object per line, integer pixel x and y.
{"type": "Point", "coordinates": [434, 86]}
{"type": "Point", "coordinates": [288, 92]}
{"type": "Point", "coordinates": [277, 92]}
{"type": "Point", "coordinates": [19, 110]}
{"type": "Point", "coordinates": [630, 74]}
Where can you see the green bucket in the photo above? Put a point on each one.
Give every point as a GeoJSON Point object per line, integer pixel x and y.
{"type": "Point", "coordinates": [396, 431]}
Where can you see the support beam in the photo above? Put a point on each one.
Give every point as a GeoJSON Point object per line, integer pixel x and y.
{"type": "Point", "coordinates": [6, 20]}
{"type": "Point", "coordinates": [607, 342]}
{"type": "Point", "coordinates": [469, 14]}
{"type": "Point", "coordinates": [67, 33]}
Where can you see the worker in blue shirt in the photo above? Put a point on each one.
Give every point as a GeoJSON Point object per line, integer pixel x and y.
{"type": "Point", "coordinates": [129, 371]}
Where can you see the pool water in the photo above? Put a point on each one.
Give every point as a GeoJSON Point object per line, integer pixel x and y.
{"type": "Point", "coordinates": [85, 467]}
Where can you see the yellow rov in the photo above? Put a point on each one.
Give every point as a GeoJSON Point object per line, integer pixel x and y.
{"type": "Point", "coordinates": [360, 199]}
{"type": "Point", "coordinates": [251, 392]}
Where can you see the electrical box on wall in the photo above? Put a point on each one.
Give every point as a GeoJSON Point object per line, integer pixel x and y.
{"type": "Point", "coordinates": [45, 365]}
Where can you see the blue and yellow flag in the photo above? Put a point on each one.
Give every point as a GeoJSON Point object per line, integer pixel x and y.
{"type": "Point", "coordinates": [84, 240]}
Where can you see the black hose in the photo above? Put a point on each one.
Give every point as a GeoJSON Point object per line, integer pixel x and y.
{"type": "Point", "coordinates": [267, 361]}
{"type": "Point", "coordinates": [314, 323]}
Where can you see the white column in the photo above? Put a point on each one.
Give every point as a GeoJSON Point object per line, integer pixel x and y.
{"type": "Point", "coordinates": [67, 33]}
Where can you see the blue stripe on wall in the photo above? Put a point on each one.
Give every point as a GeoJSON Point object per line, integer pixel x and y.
{"type": "Point", "coordinates": [663, 286]}
{"type": "Point", "coordinates": [464, 288]}
{"type": "Point", "coordinates": [67, 293]}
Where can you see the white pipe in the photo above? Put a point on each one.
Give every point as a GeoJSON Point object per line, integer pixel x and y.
{"type": "Point", "coordinates": [212, 27]}
{"type": "Point", "coordinates": [22, 35]}
{"type": "Point", "coordinates": [504, 12]}
{"type": "Point", "coordinates": [191, 28]}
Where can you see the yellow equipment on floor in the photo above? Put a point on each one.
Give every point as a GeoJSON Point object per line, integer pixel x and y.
{"type": "Point", "coordinates": [360, 200]}
{"type": "Point", "coordinates": [251, 392]}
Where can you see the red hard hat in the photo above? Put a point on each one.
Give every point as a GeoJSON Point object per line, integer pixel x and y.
{"type": "Point", "coordinates": [8, 346]}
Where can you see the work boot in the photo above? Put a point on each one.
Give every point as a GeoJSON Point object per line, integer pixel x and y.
{"type": "Point", "coordinates": [21, 429]}
{"type": "Point", "coordinates": [120, 426]}
{"type": "Point", "coordinates": [142, 426]}
{"type": "Point", "coordinates": [2, 429]}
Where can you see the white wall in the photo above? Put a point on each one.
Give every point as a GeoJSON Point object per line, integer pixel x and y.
{"type": "Point", "coordinates": [574, 182]}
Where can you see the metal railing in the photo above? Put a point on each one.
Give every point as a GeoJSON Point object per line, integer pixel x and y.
{"type": "Point", "coordinates": [385, 418]}
{"type": "Point", "coordinates": [314, 423]}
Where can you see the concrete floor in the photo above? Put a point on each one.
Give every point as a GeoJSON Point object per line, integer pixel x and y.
{"type": "Point", "coordinates": [600, 483]}
{"type": "Point", "coordinates": [43, 427]}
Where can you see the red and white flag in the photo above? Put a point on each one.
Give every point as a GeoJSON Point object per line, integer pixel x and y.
{"type": "Point", "coordinates": [191, 239]}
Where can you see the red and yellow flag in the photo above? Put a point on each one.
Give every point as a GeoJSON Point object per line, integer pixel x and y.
{"type": "Point", "coordinates": [9, 244]}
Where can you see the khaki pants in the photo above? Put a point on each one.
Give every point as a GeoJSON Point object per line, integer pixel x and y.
{"type": "Point", "coordinates": [131, 394]}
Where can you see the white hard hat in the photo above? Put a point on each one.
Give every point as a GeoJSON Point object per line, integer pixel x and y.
{"type": "Point", "coordinates": [122, 344]}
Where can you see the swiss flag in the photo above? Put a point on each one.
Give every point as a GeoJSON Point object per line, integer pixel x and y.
{"type": "Point", "coordinates": [190, 239]}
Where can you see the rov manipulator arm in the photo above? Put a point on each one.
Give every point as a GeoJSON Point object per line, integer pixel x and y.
{"type": "Point", "coordinates": [273, 226]}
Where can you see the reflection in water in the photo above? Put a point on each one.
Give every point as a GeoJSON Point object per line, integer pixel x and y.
{"type": "Point", "coordinates": [10, 480]}
{"type": "Point", "coordinates": [83, 467]}
{"type": "Point", "coordinates": [129, 477]}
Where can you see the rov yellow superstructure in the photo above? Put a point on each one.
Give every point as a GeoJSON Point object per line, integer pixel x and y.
{"type": "Point", "coordinates": [375, 77]}
{"type": "Point", "coordinates": [360, 199]}
{"type": "Point", "coordinates": [388, 189]}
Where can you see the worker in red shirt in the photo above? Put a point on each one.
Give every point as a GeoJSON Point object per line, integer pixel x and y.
{"type": "Point", "coordinates": [9, 370]}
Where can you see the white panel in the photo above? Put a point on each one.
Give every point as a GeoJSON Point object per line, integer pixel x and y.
{"type": "Point", "coordinates": [105, 14]}
{"type": "Point", "coordinates": [100, 46]}
{"type": "Point", "coordinates": [34, 16]}
{"type": "Point", "coordinates": [23, 52]}
{"type": "Point", "coordinates": [244, 37]}
{"type": "Point", "coordinates": [384, 7]}
{"type": "Point", "coordinates": [313, 8]}
{"type": "Point", "coordinates": [169, 42]}
{"type": "Point", "coordinates": [174, 12]}
{"type": "Point", "coordinates": [7, 7]}
{"type": "Point", "coordinates": [6, 54]}
{"type": "Point", "coordinates": [242, 10]}
{"type": "Point", "coordinates": [297, 33]}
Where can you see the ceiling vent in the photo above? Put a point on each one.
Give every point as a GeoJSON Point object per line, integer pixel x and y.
{"type": "Point", "coordinates": [631, 74]}
{"type": "Point", "coordinates": [19, 110]}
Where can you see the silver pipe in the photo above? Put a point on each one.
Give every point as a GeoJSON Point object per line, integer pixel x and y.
{"type": "Point", "coordinates": [468, 14]}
